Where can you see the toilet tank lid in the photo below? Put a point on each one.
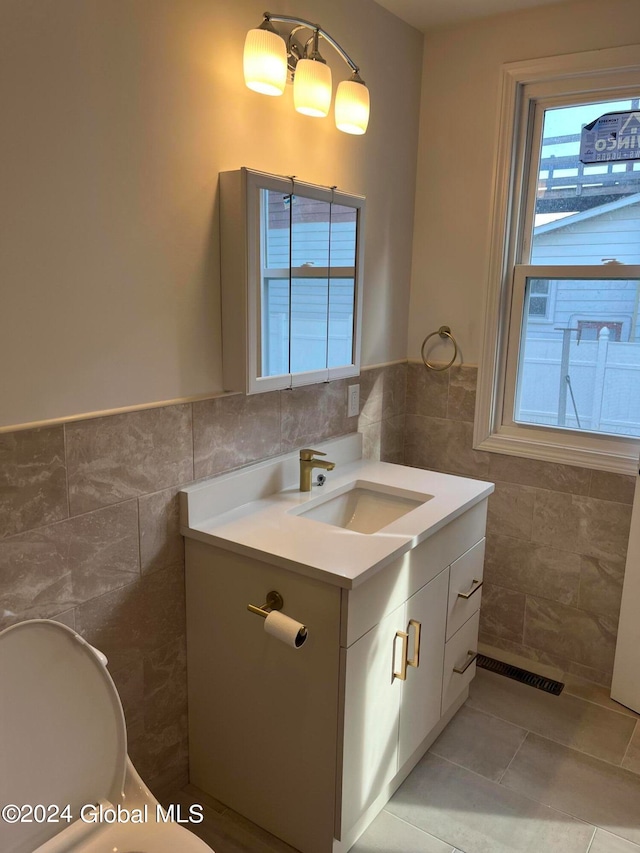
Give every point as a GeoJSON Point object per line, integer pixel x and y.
{"type": "Point", "coordinates": [62, 732]}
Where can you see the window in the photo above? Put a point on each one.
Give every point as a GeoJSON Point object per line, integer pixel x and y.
{"type": "Point", "coordinates": [538, 299]}
{"type": "Point", "coordinates": [589, 330]}
{"type": "Point", "coordinates": [560, 378]}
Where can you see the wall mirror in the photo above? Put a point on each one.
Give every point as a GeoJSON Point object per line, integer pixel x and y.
{"type": "Point", "coordinates": [291, 263]}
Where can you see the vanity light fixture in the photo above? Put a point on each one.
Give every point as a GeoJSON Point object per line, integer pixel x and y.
{"type": "Point", "coordinates": [269, 59]}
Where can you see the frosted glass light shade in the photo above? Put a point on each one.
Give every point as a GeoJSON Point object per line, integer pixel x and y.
{"type": "Point", "coordinates": [352, 107]}
{"type": "Point", "coordinates": [265, 62]}
{"type": "Point", "coordinates": [312, 88]}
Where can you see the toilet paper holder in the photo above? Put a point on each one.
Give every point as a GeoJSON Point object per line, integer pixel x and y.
{"type": "Point", "coordinates": [274, 602]}
{"type": "Point", "coordinates": [279, 625]}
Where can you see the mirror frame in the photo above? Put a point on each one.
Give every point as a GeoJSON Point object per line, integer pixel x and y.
{"type": "Point", "coordinates": [241, 282]}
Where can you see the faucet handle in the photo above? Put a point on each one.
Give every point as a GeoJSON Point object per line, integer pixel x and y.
{"type": "Point", "coordinates": [307, 454]}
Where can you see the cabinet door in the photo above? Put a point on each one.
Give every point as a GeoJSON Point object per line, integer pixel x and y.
{"type": "Point", "coordinates": [291, 279]}
{"type": "Point", "coordinates": [372, 705]}
{"type": "Point", "coordinates": [426, 614]}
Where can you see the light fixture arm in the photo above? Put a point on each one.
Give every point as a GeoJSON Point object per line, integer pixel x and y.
{"type": "Point", "coordinates": [300, 23]}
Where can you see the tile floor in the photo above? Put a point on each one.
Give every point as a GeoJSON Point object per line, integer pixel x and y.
{"type": "Point", "coordinates": [517, 770]}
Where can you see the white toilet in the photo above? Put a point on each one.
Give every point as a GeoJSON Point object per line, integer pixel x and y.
{"type": "Point", "coordinates": [63, 741]}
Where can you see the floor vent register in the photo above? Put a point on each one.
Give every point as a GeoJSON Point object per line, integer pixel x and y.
{"type": "Point", "coordinates": [523, 675]}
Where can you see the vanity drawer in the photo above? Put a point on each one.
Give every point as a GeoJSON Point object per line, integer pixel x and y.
{"type": "Point", "coordinates": [465, 587]}
{"type": "Point", "coordinates": [459, 667]}
{"type": "Point", "coordinates": [365, 605]}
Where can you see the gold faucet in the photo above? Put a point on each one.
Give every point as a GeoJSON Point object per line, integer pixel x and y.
{"type": "Point", "coordinates": [307, 463]}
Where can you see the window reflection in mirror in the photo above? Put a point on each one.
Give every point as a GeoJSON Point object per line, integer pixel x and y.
{"type": "Point", "coordinates": [308, 261]}
{"type": "Point", "coordinates": [342, 280]}
{"type": "Point", "coordinates": [291, 266]}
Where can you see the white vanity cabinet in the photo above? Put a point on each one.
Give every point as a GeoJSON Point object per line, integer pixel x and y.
{"type": "Point", "coordinates": [311, 743]}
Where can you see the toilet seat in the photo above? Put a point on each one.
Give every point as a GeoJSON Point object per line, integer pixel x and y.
{"type": "Point", "coordinates": [63, 741]}
{"type": "Point", "coordinates": [135, 838]}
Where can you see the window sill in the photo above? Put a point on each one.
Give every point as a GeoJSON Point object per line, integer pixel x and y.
{"type": "Point", "coordinates": [604, 453]}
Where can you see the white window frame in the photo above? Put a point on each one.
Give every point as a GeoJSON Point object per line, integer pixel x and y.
{"type": "Point", "coordinates": [611, 74]}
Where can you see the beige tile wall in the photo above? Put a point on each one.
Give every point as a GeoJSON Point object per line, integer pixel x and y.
{"type": "Point", "coordinates": [89, 528]}
{"type": "Point", "coordinates": [556, 534]}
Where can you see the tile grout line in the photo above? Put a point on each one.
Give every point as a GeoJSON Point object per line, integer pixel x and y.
{"type": "Point", "coordinates": [66, 469]}
{"type": "Point", "coordinates": [632, 845]}
{"type": "Point", "coordinates": [469, 770]}
{"type": "Point", "coordinates": [524, 796]}
{"type": "Point", "coordinates": [559, 742]}
{"type": "Point", "coordinates": [567, 692]}
{"type": "Point", "coordinates": [504, 772]}
{"type": "Point", "coordinates": [413, 826]}
{"type": "Point", "coordinates": [635, 729]}
{"type": "Point", "coordinates": [139, 525]}
{"type": "Point", "coordinates": [598, 705]}
{"type": "Point", "coordinates": [593, 838]}
{"type": "Point", "coordinates": [71, 518]}
{"type": "Point", "coordinates": [489, 640]}
{"type": "Point", "coordinates": [567, 813]}
{"type": "Point", "coordinates": [193, 444]}
{"type": "Point", "coordinates": [494, 717]}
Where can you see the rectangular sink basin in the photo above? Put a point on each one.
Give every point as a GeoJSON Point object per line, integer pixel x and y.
{"type": "Point", "coordinates": [364, 507]}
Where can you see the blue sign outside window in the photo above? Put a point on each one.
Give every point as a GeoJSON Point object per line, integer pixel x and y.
{"type": "Point", "coordinates": [612, 137]}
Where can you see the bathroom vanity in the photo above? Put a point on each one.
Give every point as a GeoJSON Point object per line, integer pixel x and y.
{"type": "Point", "coordinates": [310, 743]}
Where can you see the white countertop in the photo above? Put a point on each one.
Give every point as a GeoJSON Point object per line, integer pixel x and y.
{"type": "Point", "coordinates": [265, 528]}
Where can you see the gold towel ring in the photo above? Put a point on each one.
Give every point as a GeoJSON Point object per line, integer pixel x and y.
{"type": "Point", "coordinates": [444, 332]}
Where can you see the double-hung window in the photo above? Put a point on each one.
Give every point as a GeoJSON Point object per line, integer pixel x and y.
{"type": "Point", "coordinates": [560, 377]}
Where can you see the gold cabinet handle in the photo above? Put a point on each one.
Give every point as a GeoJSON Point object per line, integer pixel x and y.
{"type": "Point", "coordinates": [402, 675]}
{"type": "Point", "coordinates": [475, 586]}
{"type": "Point", "coordinates": [460, 669]}
{"type": "Point", "coordinates": [415, 660]}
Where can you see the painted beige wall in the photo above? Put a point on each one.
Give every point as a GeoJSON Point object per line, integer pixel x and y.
{"type": "Point", "coordinates": [457, 138]}
{"type": "Point", "coordinates": [117, 118]}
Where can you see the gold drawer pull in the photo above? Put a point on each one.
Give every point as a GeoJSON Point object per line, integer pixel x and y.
{"type": "Point", "coordinates": [475, 586]}
{"type": "Point", "coordinates": [460, 669]}
{"type": "Point", "coordinates": [402, 675]}
{"type": "Point", "coordinates": [415, 660]}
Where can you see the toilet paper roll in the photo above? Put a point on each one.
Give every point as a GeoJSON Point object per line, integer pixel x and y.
{"type": "Point", "coordinates": [287, 630]}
